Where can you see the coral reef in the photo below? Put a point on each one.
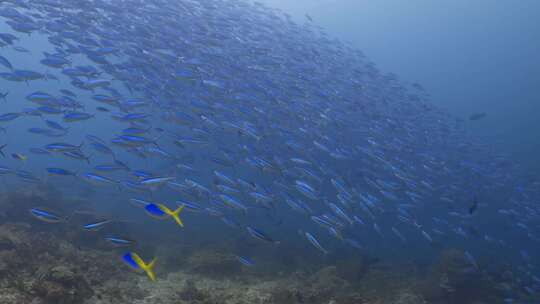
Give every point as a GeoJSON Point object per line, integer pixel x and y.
{"type": "Point", "coordinates": [62, 285]}
{"type": "Point", "coordinates": [41, 268]}
{"type": "Point", "coordinates": [44, 263]}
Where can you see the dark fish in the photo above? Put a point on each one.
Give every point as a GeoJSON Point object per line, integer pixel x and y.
{"type": "Point", "coordinates": [5, 62]}
{"type": "Point", "coordinates": [259, 234]}
{"type": "Point", "coordinates": [474, 206]}
{"type": "Point", "coordinates": [60, 171]}
{"type": "Point", "coordinates": [21, 49]}
{"type": "Point", "coordinates": [477, 116]}
{"type": "Point", "coordinates": [55, 125]}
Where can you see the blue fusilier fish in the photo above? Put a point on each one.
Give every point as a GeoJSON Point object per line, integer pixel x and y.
{"type": "Point", "coordinates": [62, 147]}
{"type": "Point", "coordinates": [78, 155]}
{"type": "Point", "coordinates": [45, 132]}
{"type": "Point", "coordinates": [230, 222]}
{"type": "Point", "coordinates": [76, 116]}
{"type": "Point", "coordinates": [5, 62]}
{"type": "Point", "coordinates": [471, 260]}
{"type": "Point", "coordinates": [46, 216]}
{"type": "Point", "coordinates": [306, 189]}
{"type": "Point", "coordinates": [231, 202]}
{"type": "Point", "coordinates": [131, 116]}
{"type": "Point", "coordinates": [135, 131]}
{"type": "Point", "coordinates": [50, 110]}
{"type": "Point", "coordinates": [321, 221]}
{"type": "Point", "coordinates": [102, 148]}
{"type": "Point", "coordinates": [224, 178]}
{"type": "Point", "coordinates": [5, 170]}
{"type": "Point", "coordinates": [258, 234]}
{"type": "Point", "coordinates": [156, 181]}
{"type": "Point", "coordinates": [9, 116]}
{"type": "Point", "coordinates": [315, 243]}
{"type": "Point", "coordinates": [55, 125]}
{"type": "Point", "coordinates": [134, 140]}
{"type": "Point", "coordinates": [97, 179]}
{"type": "Point", "coordinates": [118, 241]}
{"type": "Point", "coordinates": [109, 168]}
{"type": "Point", "coordinates": [95, 225]}
{"type": "Point", "coordinates": [427, 236]}
{"type": "Point", "coordinates": [141, 174]}
{"type": "Point", "coordinates": [161, 211]}
{"type": "Point", "coordinates": [340, 213]}
{"type": "Point", "coordinates": [244, 260]}
{"type": "Point", "coordinates": [136, 263]}
{"type": "Point", "coordinates": [477, 116]}
{"type": "Point", "coordinates": [60, 171]}
{"type": "Point", "coordinates": [133, 186]}
{"type": "Point", "coordinates": [94, 139]}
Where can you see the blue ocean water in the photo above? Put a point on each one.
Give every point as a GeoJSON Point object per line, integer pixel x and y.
{"type": "Point", "coordinates": [224, 139]}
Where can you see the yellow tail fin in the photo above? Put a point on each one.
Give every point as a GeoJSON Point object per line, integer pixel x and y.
{"type": "Point", "coordinates": [149, 269]}
{"type": "Point", "coordinates": [175, 214]}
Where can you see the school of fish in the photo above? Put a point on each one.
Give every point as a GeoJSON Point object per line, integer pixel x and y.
{"type": "Point", "coordinates": [232, 110]}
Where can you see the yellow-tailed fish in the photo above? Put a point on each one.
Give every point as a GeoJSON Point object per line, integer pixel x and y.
{"type": "Point", "coordinates": [137, 263]}
{"type": "Point", "coordinates": [175, 214]}
{"type": "Point", "coordinates": [19, 156]}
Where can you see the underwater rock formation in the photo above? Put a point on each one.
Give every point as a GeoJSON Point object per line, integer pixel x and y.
{"type": "Point", "coordinates": [38, 267]}
{"type": "Point", "coordinates": [213, 264]}
{"type": "Point", "coordinates": [62, 285]}
{"type": "Point", "coordinates": [45, 264]}
{"type": "Point", "coordinates": [454, 280]}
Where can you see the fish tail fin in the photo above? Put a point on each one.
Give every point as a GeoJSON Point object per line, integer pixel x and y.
{"type": "Point", "coordinates": [149, 269]}
{"type": "Point", "coordinates": [1, 150]}
{"type": "Point", "coordinates": [119, 186]}
{"type": "Point", "coordinates": [87, 158]}
{"type": "Point", "coordinates": [154, 141]}
{"type": "Point", "coordinates": [176, 215]}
